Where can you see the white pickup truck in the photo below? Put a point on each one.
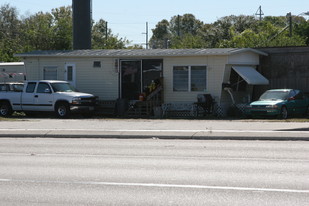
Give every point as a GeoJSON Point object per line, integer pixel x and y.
{"type": "Point", "coordinates": [46, 95]}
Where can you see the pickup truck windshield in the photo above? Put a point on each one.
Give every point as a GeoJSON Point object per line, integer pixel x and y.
{"type": "Point", "coordinates": [274, 95]}
{"type": "Point", "coordinates": [62, 87]}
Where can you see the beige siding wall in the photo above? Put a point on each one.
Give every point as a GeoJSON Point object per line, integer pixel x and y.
{"type": "Point", "coordinates": [31, 67]}
{"type": "Point", "coordinates": [244, 58]}
{"type": "Point", "coordinates": [102, 82]}
{"type": "Point", "coordinates": [215, 69]}
{"type": "Point", "coordinates": [248, 59]}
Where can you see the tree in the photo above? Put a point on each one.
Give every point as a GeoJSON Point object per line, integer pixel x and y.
{"type": "Point", "coordinates": [302, 29]}
{"type": "Point", "coordinates": [9, 33]}
{"type": "Point", "coordinates": [48, 31]}
{"type": "Point", "coordinates": [37, 32]}
{"type": "Point", "coordinates": [160, 35]}
{"type": "Point", "coordinates": [179, 31]}
{"type": "Point", "coordinates": [267, 35]}
{"type": "Point", "coordinates": [188, 41]}
{"type": "Point", "coordinates": [238, 23]}
{"type": "Point", "coordinates": [186, 24]}
{"type": "Point", "coordinates": [62, 28]}
{"type": "Point", "coordinates": [102, 37]}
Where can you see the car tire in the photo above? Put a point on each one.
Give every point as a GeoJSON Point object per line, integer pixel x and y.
{"type": "Point", "coordinates": [62, 110]}
{"type": "Point", "coordinates": [283, 113]}
{"type": "Point", "coordinates": [5, 109]}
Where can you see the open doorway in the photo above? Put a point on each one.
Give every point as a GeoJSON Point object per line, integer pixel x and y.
{"type": "Point", "coordinates": [138, 75]}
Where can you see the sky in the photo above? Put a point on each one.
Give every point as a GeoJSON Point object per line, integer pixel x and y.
{"type": "Point", "coordinates": [127, 19]}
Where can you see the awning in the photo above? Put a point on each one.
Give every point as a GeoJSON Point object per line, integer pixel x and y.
{"type": "Point", "coordinates": [250, 75]}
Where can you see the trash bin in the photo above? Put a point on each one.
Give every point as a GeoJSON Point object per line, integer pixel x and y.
{"type": "Point", "coordinates": [122, 106]}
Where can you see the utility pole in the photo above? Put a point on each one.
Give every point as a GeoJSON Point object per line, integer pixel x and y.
{"type": "Point", "coordinates": [289, 18]}
{"type": "Point", "coordinates": [106, 34]}
{"type": "Point", "coordinates": [178, 26]}
{"type": "Point", "coordinates": [146, 33]}
{"type": "Point", "coordinates": [259, 13]}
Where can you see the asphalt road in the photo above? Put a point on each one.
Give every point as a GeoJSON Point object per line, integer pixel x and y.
{"type": "Point", "coordinates": [153, 172]}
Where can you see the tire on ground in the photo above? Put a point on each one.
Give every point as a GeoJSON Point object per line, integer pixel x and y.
{"type": "Point", "coordinates": [5, 109]}
{"type": "Point", "coordinates": [62, 110]}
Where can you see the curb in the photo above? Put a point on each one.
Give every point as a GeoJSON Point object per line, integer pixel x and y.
{"type": "Point", "coordinates": [162, 134]}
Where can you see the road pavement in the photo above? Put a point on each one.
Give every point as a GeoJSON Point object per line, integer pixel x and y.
{"type": "Point", "coordinates": [155, 128]}
{"type": "Point", "coordinates": [61, 171]}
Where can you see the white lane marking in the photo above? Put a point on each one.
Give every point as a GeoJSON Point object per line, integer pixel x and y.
{"type": "Point", "coordinates": [120, 184]}
{"type": "Point", "coordinates": [167, 130]}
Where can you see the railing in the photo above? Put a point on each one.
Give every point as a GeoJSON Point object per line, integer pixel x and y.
{"type": "Point", "coordinates": [146, 108]}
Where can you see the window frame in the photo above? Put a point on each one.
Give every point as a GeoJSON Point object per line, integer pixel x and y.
{"type": "Point", "coordinates": [52, 69]}
{"type": "Point", "coordinates": [190, 77]}
{"type": "Point", "coordinates": [38, 90]}
{"type": "Point", "coordinates": [31, 87]}
{"type": "Point", "coordinates": [97, 64]}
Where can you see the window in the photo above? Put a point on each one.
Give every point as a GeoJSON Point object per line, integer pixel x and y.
{"type": "Point", "coordinates": [43, 88]}
{"type": "Point", "coordinates": [50, 73]}
{"type": "Point", "coordinates": [4, 87]}
{"type": "Point", "coordinates": [69, 73]}
{"type": "Point", "coordinates": [299, 95]}
{"type": "Point", "coordinates": [30, 87]}
{"type": "Point", "coordinates": [180, 78]}
{"type": "Point", "coordinates": [97, 64]}
{"type": "Point", "coordinates": [189, 78]}
{"type": "Point", "coordinates": [198, 78]}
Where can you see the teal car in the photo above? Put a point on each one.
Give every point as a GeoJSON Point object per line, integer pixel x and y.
{"type": "Point", "coordinates": [281, 103]}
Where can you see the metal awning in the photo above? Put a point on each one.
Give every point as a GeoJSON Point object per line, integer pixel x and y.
{"type": "Point", "coordinates": [250, 75]}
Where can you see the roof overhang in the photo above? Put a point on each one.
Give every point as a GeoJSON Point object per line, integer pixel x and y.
{"type": "Point", "coordinates": [241, 50]}
{"type": "Point", "coordinates": [123, 53]}
{"type": "Point", "coordinates": [250, 75]}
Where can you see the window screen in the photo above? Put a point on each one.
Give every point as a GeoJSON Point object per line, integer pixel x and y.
{"type": "Point", "coordinates": [50, 73]}
{"type": "Point", "coordinates": [198, 78]}
{"type": "Point", "coordinates": [189, 78]}
{"type": "Point", "coordinates": [180, 78]}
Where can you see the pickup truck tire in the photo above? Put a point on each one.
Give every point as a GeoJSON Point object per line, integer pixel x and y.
{"type": "Point", "coordinates": [62, 110]}
{"type": "Point", "coordinates": [5, 109]}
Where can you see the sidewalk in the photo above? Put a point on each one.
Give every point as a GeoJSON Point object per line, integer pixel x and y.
{"type": "Point", "coordinates": [161, 129]}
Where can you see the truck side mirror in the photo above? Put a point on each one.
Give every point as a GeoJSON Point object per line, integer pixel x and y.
{"type": "Point", "coordinates": [47, 90]}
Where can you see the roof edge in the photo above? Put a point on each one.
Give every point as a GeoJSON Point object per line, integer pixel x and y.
{"type": "Point", "coordinates": [241, 50]}
{"type": "Point", "coordinates": [124, 53]}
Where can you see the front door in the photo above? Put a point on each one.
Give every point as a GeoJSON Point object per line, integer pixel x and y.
{"type": "Point", "coordinates": [130, 83]}
{"type": "Point", "coordinates": [70, 74]}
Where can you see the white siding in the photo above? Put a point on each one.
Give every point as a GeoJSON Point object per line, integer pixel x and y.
{"type": "Point", "coordinates": [215, 68]}
{"type": "Point", "coordinates": [244, 58]}
{"type": "Point", "coordinates": [102, 82]}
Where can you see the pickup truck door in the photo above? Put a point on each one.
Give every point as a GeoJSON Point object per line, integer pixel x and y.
{"type": "Point", "coordinates": [27, 98]}
{"type": "Point", "coordinates": [37, 97]}
{"type": "Point", "coordinates": [43, 98]}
